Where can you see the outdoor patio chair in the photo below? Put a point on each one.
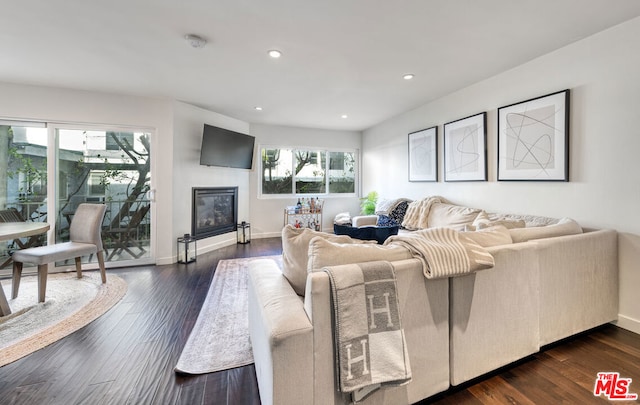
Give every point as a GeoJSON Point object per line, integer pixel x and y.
{"type": "Point", "coordinates": [86, 238]}
{"type": "Point", "coordinates": [125, 237]}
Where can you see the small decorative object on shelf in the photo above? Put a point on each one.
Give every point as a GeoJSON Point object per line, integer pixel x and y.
{"type": "Point", "coordinates": [187, 249]}
{"type": "Point", "coordinates": [244, 233]}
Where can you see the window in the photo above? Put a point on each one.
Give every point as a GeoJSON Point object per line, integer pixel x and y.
{"type": "Point", "coordinates": [310, 173]}
{"type": "Point", "coordinates": [96, 183]}
{"type": "Point", "coordinates": [342, 172]}
{"type": "Point", "coordinates": [287, 171]}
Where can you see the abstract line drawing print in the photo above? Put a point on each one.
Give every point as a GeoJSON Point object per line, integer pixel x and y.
{"type": "Point", "coordinates": [465, 151]}
{"type": "Point", "coordinates": [533, 139]}
{"type": "Point", "coordinates": [530, 137]}
{"type": "Point", "coordinates": [423, 155]}
{"type": "Point", "coordinates": [464, 155]}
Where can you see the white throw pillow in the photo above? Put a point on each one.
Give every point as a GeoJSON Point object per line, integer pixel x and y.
{"type": "Point", "coordinates": [483, 221]}
{"type": "Point", "coordinates": [492, 236]}
{"type": "Point", "coordinates": [443, 215]}
{"type": "Point", "coordinates": [295, 247]}
{"type": "Point", "coordinates": [323, 253]}
{"type": "Point", "coordinates": [566, 226]}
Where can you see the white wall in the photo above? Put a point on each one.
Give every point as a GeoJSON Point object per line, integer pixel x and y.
{"type": "Point", "coordinates": [603, 73]}
{"type": "Point", "coordinates": [187, 172]}
{"type": "Point", "coordinates": [82, 107]}
{"type": "Point", "coordinates": [267, 214]}
{"type": "Point", "coordinates": [176, 155]}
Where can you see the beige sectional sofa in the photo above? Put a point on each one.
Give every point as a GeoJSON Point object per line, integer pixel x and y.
{"type": "Point", "coordinates": [551, 284]}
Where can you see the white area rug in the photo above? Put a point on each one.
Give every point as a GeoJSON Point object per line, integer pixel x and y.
{"type": "Point", "coordinates": [70, 303]}
{"type": "Point", "coordinates": [220, 337]}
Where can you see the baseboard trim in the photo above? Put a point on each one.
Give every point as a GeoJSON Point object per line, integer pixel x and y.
{"type": "Point", "coordinates": [628, 323]}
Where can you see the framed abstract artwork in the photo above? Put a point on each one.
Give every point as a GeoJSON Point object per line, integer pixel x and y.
{"type": "Point", "coordinates": [533, 139]}
{"type": "Point", "coordinates": [423, 155]}
{"type": "Point", "coordinates": [465, 149]}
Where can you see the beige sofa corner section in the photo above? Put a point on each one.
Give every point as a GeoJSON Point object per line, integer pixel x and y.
{"type": "Point", "coordinates": [578, 291]}
{"type": "Point", "coordinates": [539, 292]}
{"type": "Point", "coordinates": [424, 307]}
{"type": "Point", "coordinates": [281, 337]}
{"type": "Point", "coordinates": [494, 313]}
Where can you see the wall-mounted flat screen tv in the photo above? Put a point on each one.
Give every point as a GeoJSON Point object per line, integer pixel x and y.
{"type": "Point", "coordinates": [225, 148]}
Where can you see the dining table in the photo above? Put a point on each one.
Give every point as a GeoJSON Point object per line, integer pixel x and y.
{"type": "Point", "coordinates": [16, 230]}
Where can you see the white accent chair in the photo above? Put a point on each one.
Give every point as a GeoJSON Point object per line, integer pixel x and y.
{"type": "Point", "coordinates": [85, 239]}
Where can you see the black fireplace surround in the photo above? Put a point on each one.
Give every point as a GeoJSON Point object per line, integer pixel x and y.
{"type": "Point", "coordinates": [215, 211]}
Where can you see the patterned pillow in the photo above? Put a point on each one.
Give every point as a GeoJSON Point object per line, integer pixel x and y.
{"type": "Point", "coordinates": [385, 220]}
{"type": "Point", "coordinates": [397, 214]}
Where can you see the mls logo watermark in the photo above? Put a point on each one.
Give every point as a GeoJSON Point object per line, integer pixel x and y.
{"type": "Point", "coordinates": [613, 387]}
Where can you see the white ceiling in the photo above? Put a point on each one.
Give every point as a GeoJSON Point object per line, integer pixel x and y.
{"type": "Point", "coordinates": [339, 56]}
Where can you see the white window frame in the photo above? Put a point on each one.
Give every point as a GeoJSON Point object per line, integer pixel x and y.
{"type": "Point", "coordinates": [327, 193]}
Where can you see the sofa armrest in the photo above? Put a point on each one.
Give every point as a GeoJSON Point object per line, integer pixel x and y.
{"type": "Point", "coordinates": [364, 220]}
{"type": "Point", "coordinates": [281, 337]}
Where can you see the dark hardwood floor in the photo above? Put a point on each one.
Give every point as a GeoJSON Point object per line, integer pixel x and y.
{"type": "Point", "coordinates": [127, 356]}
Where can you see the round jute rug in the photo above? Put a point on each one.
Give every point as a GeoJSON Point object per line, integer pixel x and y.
{"type": "Point", "coordinates": [70, 304]}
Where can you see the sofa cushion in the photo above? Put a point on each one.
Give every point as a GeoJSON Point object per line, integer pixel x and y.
{"type": "Point", "coordinates": [442, 215]}
{"type": "Point", "coordinates": [491, 236]}
{"type": "Point", "coordinates": [566, 226]}
{"type": "Point", "coordinates": [295, 247]}
{"type": "Point", "coordinates": [324, 252]}
{"type": "Point", "coordinates": [483, 221]}
{"type": "Point", "coordinates": [529, 220]}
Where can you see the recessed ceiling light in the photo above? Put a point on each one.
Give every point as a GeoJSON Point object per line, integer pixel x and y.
{"type": "Point", "coordinates": [258, 108]}
{"type": "Point", "coordinates": [344, 116]}
{"type": "Point", "coordinates": [408, 76]}
{"type": "Point", "coordinates": [195, 40]}
{"type": "Point", "coordinates": [274, 53]}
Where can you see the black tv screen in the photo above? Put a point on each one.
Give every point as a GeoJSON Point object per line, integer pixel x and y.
{"type": "Point", "coordinates": [225, 148]}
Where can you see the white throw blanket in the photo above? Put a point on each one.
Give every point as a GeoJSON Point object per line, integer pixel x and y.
{"type": "Point", "coordinates": [370, 345]}
{"type": "Point", "coordinates": [444, 252]}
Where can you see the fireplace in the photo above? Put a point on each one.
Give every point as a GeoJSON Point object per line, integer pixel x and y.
{"type": "Point", "coordinates": [215, 211]}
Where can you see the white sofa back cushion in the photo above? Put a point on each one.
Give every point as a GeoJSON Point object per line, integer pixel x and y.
{"type": "Point", "coordinates": [566, 226]}
{"type": "Point", "coordinates": [324, 252]}
{"type": "Point", "coordinates": [295, 247]}
{"type": "Point", "coordinates": [443, 215]}
{"type": "Point", "coordinates": [492, 236]}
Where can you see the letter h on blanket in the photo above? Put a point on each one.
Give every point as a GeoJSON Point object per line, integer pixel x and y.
{"type": "Point", "coordinates": [369, 339]}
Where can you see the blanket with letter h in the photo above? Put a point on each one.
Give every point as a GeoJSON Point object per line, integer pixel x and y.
{"type": "Point", "coordinates": [370, 344]}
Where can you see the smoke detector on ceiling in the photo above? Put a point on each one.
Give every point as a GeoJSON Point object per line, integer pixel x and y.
{"type": "Point", "coordinates": [195, 40]}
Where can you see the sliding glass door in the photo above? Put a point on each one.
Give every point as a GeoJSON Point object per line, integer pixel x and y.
{"type": "Point", "coordinates": [23, 182]}
{"type": "Point", "coordinates": [47, 170]}
{"type": "Point", "coordinates": [112, 168]}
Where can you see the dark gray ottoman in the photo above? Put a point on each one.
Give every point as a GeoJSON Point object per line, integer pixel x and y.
{"type": "Point", "coordinates": [377, 233]}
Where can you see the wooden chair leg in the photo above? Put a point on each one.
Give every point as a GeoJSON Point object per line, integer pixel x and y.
{"type": "Point", "coordinates": [17, 273]}
{"type": "Point", "coordinates": [4, 305]}
{"type": "Point", "coordinates": [103, 272]}
{"type": "Point", "coordinates": [79, 266]}
{"type": "Point", "coordinates": [43, 269]}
